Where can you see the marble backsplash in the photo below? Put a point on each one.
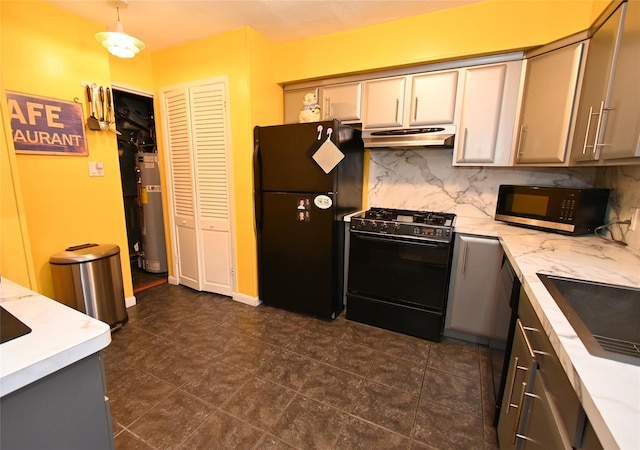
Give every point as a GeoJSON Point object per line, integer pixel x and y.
{"type": "Point", "coordinates": [625, 182]}
{"type": "Point", "coordinates": [426, 180]}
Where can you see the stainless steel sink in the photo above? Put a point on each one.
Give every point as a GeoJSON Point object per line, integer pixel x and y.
{"type": "Point", "coordinates": [606, 317]}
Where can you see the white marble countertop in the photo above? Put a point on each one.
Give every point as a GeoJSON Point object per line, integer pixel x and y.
{"type": "Point", "coordinates": [608, 390]}
{"type": "Point", "coordinates": [60, 336]}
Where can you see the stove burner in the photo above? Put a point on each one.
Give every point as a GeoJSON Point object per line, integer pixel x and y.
{"type": "Point", "coordinates": [429, 218]}
{"type": "Point", "coordinates": [416, 224]}
{"type": "Point", "coordinates": [380, 214]}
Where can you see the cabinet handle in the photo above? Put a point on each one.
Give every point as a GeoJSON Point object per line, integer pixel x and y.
{"type": "Point", "coordinates": [397, 108]}
{"type": "Point", "coordinates": [598, 129]}
{"type": "Point", "coordinates": [520, 408]}
{"type": "Point", "coordinates": [586, 136]}
{"type": "Point", "coordinates": [464, 257]}
{"type": "Point", "coordinates": [512, 383]}
{"type": "Point", "coordinates": [523, 131]}
{"type": "Point", "coordinates": [522, 436]}
{"type": "Point", "coordinates": [415, 110]}
{"type": "Point", "coordinates": [327, 102]}
{"type": "Point", "coordinates": [526, 338]}
{"type": "Point", "coordinates": [464, 140]}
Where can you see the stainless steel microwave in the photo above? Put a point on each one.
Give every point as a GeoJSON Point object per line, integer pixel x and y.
{"type": "Point", "coordinates": [549, 208]}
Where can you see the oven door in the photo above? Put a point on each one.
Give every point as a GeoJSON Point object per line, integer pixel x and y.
{"type": "Point", "coordinates": [399, 270]}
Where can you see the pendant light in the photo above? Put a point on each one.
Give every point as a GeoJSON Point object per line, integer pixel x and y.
{"type": "Point", "coordinates": [117, 42]}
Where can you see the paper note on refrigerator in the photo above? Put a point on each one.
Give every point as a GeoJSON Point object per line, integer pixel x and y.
{"type": "Point", "coordinates": [328, 156]}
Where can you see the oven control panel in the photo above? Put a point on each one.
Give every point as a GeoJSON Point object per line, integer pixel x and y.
{"type": "Point", "coordinates": [423, 232]}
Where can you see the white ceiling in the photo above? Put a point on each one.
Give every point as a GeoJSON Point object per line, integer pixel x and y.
{"type": "Point", "coordinates": [165, 23]}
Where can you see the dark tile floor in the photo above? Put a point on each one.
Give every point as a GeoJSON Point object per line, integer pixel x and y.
{"type": "Point", "coordinates": [142, 279]}
{"type": "Point", "coordinates": [195, 370]}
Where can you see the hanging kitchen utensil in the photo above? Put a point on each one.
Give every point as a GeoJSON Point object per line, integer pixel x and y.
{"type": "Point", "coordinates": [103, 124]}
{"type": "Point", "coordinates": [109, 115]}
{"type": "Point", "coordinates": [92, 121]}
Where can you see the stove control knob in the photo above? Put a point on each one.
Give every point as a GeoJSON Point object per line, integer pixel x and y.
{"type": "Point", "coordinates": [384, 226]}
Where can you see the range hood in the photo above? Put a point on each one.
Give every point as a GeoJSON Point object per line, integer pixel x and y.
{"type": "Point", "coordinates": [438, 137]}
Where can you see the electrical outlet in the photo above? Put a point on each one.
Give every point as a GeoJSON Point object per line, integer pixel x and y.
{"type": "Point", "coordinates": [635, 218]}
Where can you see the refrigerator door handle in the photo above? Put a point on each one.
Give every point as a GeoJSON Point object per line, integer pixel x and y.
{"type": "Point", "coordinates": [257, 182]}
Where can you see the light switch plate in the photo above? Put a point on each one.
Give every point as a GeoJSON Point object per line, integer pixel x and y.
{"type": "Point", "coordinates": [96, 169]}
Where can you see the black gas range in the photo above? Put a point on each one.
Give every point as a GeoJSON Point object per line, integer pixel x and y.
{"type": "Point", "coordinates": [427, 225]}
{"type": "Point", "coordinates": [399, 267]}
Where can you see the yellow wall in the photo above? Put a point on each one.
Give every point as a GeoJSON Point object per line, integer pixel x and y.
{"type": "Point", "coordinates": [136, 73]}
{"type": "Point", "coordinates": [49, 52]}
{"type": "Point", "coordinates": [477, 29]}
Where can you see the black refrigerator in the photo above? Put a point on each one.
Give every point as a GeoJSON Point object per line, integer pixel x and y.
{"type": "Point", "coordinates": [307, 177]}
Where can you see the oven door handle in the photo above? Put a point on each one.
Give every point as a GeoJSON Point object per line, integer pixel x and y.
{"type": "Point", "coordinates": [366, 237]}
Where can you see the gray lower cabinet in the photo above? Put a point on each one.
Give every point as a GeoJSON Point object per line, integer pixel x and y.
{"type": "Point", "coordinates": [65, 410]}
{"type": "Point", "coordinates": [471, 306]}
{"type": "Point", "coordinates": [548, 412]}
{"type": "Point", "coordinates": [540, 425]}
{"type": "Point", "coordinates": [520, 376]}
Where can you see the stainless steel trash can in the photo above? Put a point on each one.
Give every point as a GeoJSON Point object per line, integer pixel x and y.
{"type": "Point", "coordinates": [88, 277]}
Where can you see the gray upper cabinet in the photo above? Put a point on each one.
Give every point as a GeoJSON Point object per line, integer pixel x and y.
{"type": "Point", "coordinates": [548, 110]}
{"type": "Point", "coordinates": [609, 121]}
{"type": "Point", "coordinates": [433, 98]}
{"type": "Point", "coordinates": [341, 102]}
{"type": "Point", "coordinates": [383, 103]}
{"type": "Point", "coordinates": [410, 101]}
{"type": "Point", "coordinates": [487, 114]}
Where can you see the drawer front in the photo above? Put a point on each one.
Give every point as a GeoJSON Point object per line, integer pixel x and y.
{"type": "Point", "coordinates": [540, 427]}
{"type": "Point", "coordinates": [520, 375]}
{"type": "Point", "coordinates": [559, 388]}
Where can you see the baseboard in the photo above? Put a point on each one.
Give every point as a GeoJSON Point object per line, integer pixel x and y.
{"type": "Point", "coordinates": [172, 280]}
{"type": "Point", "coordinates": [246, 299]}
{"type": "Point", "coordinates": [130, 301]}
{"type": "Point", "coordinates": [465, 337]}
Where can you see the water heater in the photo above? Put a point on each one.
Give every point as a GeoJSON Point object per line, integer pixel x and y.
{"type": "Point", "coordinates": [153, 237]}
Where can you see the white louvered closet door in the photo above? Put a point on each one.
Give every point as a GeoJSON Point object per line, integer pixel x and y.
{"type": "Point", "coordinates": [197, 128]}
{"type": "Point", "coordinates": [184, 239]}
{"type": "Point", "coordinates": [209, 129]}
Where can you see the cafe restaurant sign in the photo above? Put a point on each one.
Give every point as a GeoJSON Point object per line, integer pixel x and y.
{"type": "Point", "coordinates": [46, 126]}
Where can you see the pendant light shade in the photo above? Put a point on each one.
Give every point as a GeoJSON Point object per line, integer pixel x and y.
{"type": "Point", "coordinates": [118, 42]}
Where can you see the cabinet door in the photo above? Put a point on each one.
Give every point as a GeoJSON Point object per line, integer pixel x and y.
{"type": "Point", "coordinates": [341, 102]}
{"type": "Point", "coordinates": [595, 89]}
{"type": "Point", "coordinates": [548, 105]}
{"type": "Point", "coordinates": [433, 98]}
{"type": "Point", "coordinates": [522, 368]}
{"type": "Point", "coordinates": [383, 102]}
{"type": "Point", "coordinates": [622, 128]}
{"type": "Point", "coordinates": [488, 114]}
{"type": "Point", "coordinates": [473, 287]}
{"type": "Point", "coordinates": [541, 428]}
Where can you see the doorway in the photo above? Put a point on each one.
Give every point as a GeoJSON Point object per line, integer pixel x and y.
{"type": "Point", "coordinates": [141, 188]}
